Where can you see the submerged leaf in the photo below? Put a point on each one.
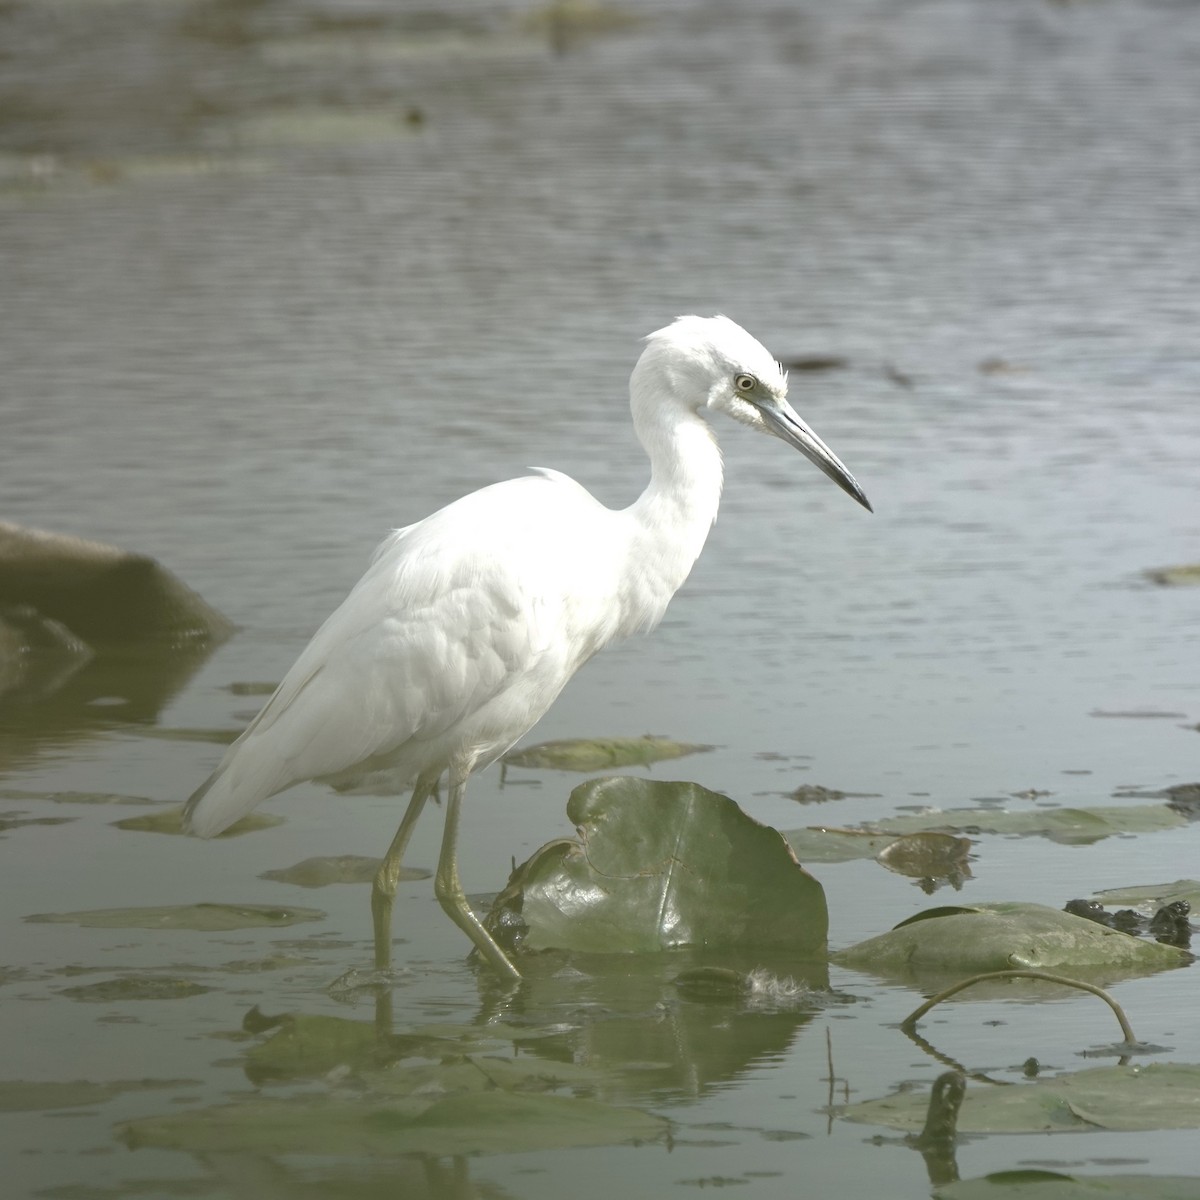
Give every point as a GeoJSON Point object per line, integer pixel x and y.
{"type": "Point", "coordinates": [1051, 1185]}
{"type": "Point", "coordinates": [18, 1095]}
{"type": "Point", "coordinates": [338, 868]}
{"type": "Point", "coordinates": [661, 865]}
{"type": "Point", "coordinates": [75, 797]}
{"type": "Point", "coordinates": [488, 1122]}
{"type": "Point", "coordinates": [207, 917]}
{"type": "Point", "coordinates": [600, 754]}
{"type": "Point", "coordinates": [170, 820]}
{"type": "Point", "coordinates": [823, 844]}
{"type": "Point", "coordinates": [998, 937]}
{"type": "Point", "coordinates": [136, 987]}
{"type": "Point", "coordinates": [1181, 576]}
{"type": "Point", "coordinates": [1156, 894]}
{"type": "Point", "coordinates": [1071, 826]}
{"type": "Point", "coordinates": [1158, 1096]}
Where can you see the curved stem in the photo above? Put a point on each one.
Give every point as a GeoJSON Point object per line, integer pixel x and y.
{"type": "Point", "coordinates": [914, 1016]}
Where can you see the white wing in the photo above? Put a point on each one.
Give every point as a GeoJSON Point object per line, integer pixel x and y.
{"type": "Point", "coordinates": [456, 640]}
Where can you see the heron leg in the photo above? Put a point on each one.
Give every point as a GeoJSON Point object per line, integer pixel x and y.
{"type": "Point", "coordinates": [449, 890]}
{"type": "Point", "coordinates": [383, 890]}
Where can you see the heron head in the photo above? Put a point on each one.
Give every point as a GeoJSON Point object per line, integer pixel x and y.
{"type": "Point", "coordinates": [722, 368]}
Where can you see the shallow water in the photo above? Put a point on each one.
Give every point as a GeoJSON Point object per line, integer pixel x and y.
{"type": "Point", "coordinates": [278, 279]}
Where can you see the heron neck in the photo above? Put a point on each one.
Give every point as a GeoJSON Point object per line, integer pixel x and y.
{"type": "Point", "coordinates": [673, 515]}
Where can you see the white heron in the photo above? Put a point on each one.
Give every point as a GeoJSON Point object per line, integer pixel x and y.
{"type": "Point", "coordinates": [469, 623]}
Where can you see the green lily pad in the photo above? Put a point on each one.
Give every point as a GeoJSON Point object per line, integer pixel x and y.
{"type": "Point", "coordinates": [8, 823]}
{"type": "Point", "coordinates": [1051, 1185]}
{"type": "Point", "coordinates": [75, 797]}
{"type": "Point", "coordinates": [998, 937]}
{"type": "Point", "coordinates": [136, 987]}
{"type": "Point", "coordinates": [339, 868]}
{"type": "Point", "coordinates": [1154, 894]}
{"type": "Point", "coordinates": [209, 918]}
{"type": "Point", "coordinates": [661, 865]}
{"type": "Point", "coordinates": [822, 844]}
{"type": "Point", "coordinates": [917, 854]}
{"type": "Point", "coordinates": [309, 1046]}
{"type": "Point", "coordinates": [170, 820]}
{"type": "Point", "coordinates": [18, 1095]}
{"type": "Point", "coordinates": [1158, 1096]}
{"type": "Point", "coordinates": [600, 754]}
{"type": "Point", "coordinates": [487, 1122]}
{"type": "Point", "coordinates": [1070, 826]}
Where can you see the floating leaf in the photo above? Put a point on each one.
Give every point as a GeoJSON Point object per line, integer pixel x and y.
{"type": "Point", "coordinates": [136, 987]}
{"type": "Point", "coordinates": [815, 793]}
{"type": "Point", "coordinates": [1187, 575]}
{"type": "Point", "coordinates": [661, 865]}
{"type": "Point", "coordinates": [1051, 1185]}
{"type": "Point", "coordinates": [307, 1046]}
{"type": "Point", "coordinates": [600, 754]}
{"type": "Point", "coordinates": [17, 1095]}
{"type": "Point", "coordinates": [1158, 1096]}
{"type": "Point", "coordinates": [823, 844]}
{"type": "Point", "coordinates": [339, 868]}
{"type": "Point", "coordinates": [487, 1122]}
{"type": "Point", "coordinates": [75, 797]}
{"type": "Point", "coordinates": [206, 917]}
{"type": "Point", "coordinates": [8, 823]}
{"type": "Point", "coordinates": [170, 820]}
{"type": "Point", "coordinates": [998, 937]}
{"type": "Point", "coordinates": [1070, 826]}
{"type": "Point", "coordinates": [1156, 894]}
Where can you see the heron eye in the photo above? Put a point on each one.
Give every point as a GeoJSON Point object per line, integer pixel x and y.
{"type": "Point", "coordinates": [744, 383]}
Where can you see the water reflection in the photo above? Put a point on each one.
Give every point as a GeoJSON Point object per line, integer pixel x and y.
{"type": "Point", "coordinates": [56, 700]}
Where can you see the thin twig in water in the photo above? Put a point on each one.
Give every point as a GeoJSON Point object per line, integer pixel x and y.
{"type": "Point", "coordinates": [914, 1016]}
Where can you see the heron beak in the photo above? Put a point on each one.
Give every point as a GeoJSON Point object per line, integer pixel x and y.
{"type": "Point", "coordinates": [784, 422]}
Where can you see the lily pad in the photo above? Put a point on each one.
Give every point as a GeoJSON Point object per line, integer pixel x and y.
{"type": "Point", "coordinates": [1158, 1096]}
{"type": "Point", "coordinates": [308, 1046]}
{"type": "Point", "coordinates": [1051, 1185]}
{"type": "Point", "coordinates": [661, 865]}
{"type": "Point", "coordinates": [600, 754]}
{"type": "Point", "coordinates": [824, 844]}
{"type": "Point", "coordinates": [136, 987]}
{"type": "Point", "coordinates": [1187, 575]}
{"type": "Point", "coordinates": [338, 868]}
{"type": "Point", "coordinates": [487, 1122]}
{"type": "Point", "coordinates": [1003, 936]}
{"type": "Point", "coordinates": [18, 1095]}
{"type": "Point", "coordinates": [170, 820]}
{"type": "Point", "coordinates": [1155, 894]}
{"type": "Point", "coordinates": [209, 918]}
{"type": "Point", "coordinates": [1070, 826]}
{"type": "Point", "coordinates": [76, 797]}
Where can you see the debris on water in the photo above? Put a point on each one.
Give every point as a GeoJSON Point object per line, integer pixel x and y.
{"type": "Point", "coordinates": [1169, 925]}
{"type": "Point", "coordinates": [999, 366]}
{"type": "Point", "coordinates": [1187, 575]}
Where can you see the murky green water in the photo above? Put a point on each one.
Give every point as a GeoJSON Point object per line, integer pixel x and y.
{"type": "Point", "coordinates": [279, 278]}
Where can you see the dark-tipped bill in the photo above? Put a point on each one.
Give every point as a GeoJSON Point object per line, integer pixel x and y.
{"type": "Point", "coordinates": [784, 422]}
